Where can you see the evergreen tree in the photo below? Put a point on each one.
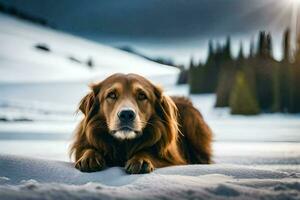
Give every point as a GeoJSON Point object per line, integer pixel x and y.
{"type": "Point", "coordinates": [241, 55]}
{"type": "Point", "coordinates": [226, 77]}
{"type": "Point", "coordinates": [183, 76]}
{"type": "Point", "coordinates": [252, 49]}
{"type": "Point", "coordinates": [282, 77]}
{"type": "Point", "coordinates": [262, 82]}
{"type": "Point", "coordinates": [265, 67]}
{"type": "Point", "coordinates": [191, 65]}
{"type": "Point", "coordinates": [248, 67]}
{"type": "Point", "coordinates": [294, 100]}
{"type": "Point", "coordinates": [269, 46]}
{"type": "Point", "coordinates": [204, 78]}
{"type": "Point", "coordinates": [194, 73]}
{"type": "Point", "coordinates": [294, 105]}
{"type": "Point", "coordinates": [287, 46]}
{"type": "Point", "coordinates": [210, 49]}
{"type": "Point", "coordinates": [227, 49]}
{"type": "Point", "coordinates": [242, 100]}
{"type": "Point", "coordinates": [261, 43]}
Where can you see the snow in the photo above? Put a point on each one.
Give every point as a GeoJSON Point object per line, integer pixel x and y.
{"type": "Point", "coordinates": [61, 180]}
{"type": "Point", "coordinates": [254, 157]}
{"type": "Point", "coordinates": [53, 179]}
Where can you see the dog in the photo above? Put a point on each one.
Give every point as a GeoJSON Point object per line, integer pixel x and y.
{"type": "Point", "coordinates": [130, 122]}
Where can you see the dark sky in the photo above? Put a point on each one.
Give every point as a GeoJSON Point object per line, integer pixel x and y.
{"type": "Point", "coordinates": [161, 21]}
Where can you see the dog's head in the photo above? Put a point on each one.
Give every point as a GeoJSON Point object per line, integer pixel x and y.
{"type": "Point", "coordinates": [125, 105]}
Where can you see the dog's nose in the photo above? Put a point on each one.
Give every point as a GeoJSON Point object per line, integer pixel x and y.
{"type": "Point", "coordinates": [126, 116]}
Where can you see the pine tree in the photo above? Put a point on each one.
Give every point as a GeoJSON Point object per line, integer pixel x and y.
{"type": "Point", "coordinates": [241, 55]}
{"type": "Point", "coordinates": [226, 77]}
{"type": "Point", "coordinates": [265, 67]}
{"type": "Point", "coordinates": [227, 49]}
{"type": "Point", "coordinates": [183, 76]}
{"type": "Point", "coordinates": [261, 43]}
{"type": "Point", "coordinates": [294, 105]}
{"type": "Point", "coordinates": [191, 65]}
{"type": "Point", "coordinates": [252, 49]}
{"type": "Point", "coordinates": [210, 49]}
{"type": "Point", "coordinates": [194, 77]}
{"type": "Point", "coordinates": [282, 77]}
{"type": "Point", "coordinates": [294, 86]}
{"type": "Point", "coordinates": [287, 46]}
{"type": "Point", "coordinates": [269, 46]}
{"type": "Point", "coordinates": [242, 100]}
{"type": "Point", "coordinates": [203, 79]}
{"type": "Point", "coordinates": [248, 66]}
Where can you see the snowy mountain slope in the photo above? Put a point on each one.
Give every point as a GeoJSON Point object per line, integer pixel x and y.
{"type": "Point", "coordinates": [21, 62]}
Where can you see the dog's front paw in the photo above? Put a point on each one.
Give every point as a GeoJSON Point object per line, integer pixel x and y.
{"type": "Point", "coordinates": [91, 161]}
{"type": "Point", "coordinates": [139, 166]}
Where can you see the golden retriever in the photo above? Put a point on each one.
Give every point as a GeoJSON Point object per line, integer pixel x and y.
{"type": "Point", "coordinates": [130, 122]}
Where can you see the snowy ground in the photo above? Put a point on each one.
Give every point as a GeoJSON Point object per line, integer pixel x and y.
{"type": "Point", "coordinates": [255, 157]}
{"type": "Point", "coordinates": [29, 178]}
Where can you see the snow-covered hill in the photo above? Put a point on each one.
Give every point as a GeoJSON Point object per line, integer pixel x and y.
{"type": "Point", "coordinates": [21, 62]}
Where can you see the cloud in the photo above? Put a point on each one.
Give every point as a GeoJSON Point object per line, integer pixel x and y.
{"type": "Point", "coordinates": [159, 19]}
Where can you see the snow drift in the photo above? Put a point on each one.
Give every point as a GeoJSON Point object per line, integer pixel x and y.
{"type": "Point", "coordinates": [28, 178]}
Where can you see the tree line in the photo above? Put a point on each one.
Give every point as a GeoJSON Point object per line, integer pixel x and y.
{"type": "Point", "coordinates": [253, 84]}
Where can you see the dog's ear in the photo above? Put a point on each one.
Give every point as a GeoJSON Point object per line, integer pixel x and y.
{"type": "Point", "coordinates": [90, 100]}
{"type": "Point", "coordinates": [167, 111]}
{"type": "Point", "coordinates": [86, 103]}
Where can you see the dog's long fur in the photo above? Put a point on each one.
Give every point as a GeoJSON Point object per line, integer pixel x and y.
{"type": "Point", "coordinates": [175, 133]}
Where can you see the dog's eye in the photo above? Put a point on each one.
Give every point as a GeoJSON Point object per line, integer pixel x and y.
{"type": "Point", "coordinates": [112, 95]}
{"type": "Point", "coordinates": [141, 96]}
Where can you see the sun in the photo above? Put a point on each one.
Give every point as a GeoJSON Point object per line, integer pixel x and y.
{"type": "Point", "coordinates": [295, 1]}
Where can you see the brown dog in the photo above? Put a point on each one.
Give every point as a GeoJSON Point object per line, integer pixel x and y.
{"type": "Point", "coordinates": [129, 122]}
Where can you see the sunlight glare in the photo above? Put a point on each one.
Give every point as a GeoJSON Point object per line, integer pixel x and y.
{"type": "Point", "coordinates": [295, 1]}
